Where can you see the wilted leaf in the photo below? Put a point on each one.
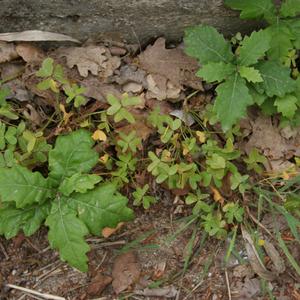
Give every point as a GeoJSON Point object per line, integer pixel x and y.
{"type": "Point", "coordinates": [126, 271]}
{"type": "Point", "coordinates": [94, 59]}
{"type": "Point", "coordinates": [173, 64]}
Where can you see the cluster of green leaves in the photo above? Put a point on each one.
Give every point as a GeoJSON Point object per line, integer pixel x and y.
{"type": "Point", "coordinates": [166, 126]}
{"type": "Point", "coordinates": [20, 145]}
{"type": "Point", "coordinates": [5, 108]}
{"type": "Point", "coordinates": [69, 201]}
{"type": "Point", "coordinates": [258, 71]}
{"type": "Point", "coordinates": [53, 77]}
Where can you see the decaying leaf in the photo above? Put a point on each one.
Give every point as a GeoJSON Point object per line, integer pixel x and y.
{"type": "Point", "coordinates": [98, 284]}
{"type": "Point", "coordinates": [267, 138]}
{"type": "Point", "coordinates": [107, 231]}
{"type": "Point", "coordinates": [160, 88]}
{"type": "Point", "coordinates": [254, 259]}
{"type": "Point", "coordinates": [277, 261]}
{"type": "Point", "coordinates": [248, 290]}
{"type": "Point", "coordinates": [7, 52]}
{"type": "Point", "coordinates": [99, 135]}
{"type": "Point", "coordinates": [29, 53]}
{"type": "Point", "coordinates": [94, 59]}
{"type": "Point", "coordinates": [35, 36]}
{"type": "Point", "coordinates": [98, 90]}
{"type": "Point", "coordinates": [140, 127]}
{"type": "Point", "coordinates": [172, 64]}
{"type": "Point", "coordinates": [126, 271]}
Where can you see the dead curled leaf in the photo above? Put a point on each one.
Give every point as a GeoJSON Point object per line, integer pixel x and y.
{"type": "Point", "coordinates": [94, 59]}
{"type": "Point", "coordinates": [98, 284]}
{"type": "Point", "coordinates": [126, 271]}
{"type": "Point", "coordinates": [107, 231]}
{"type": "Point", "coordinates": [173, 64]}
{"type": "Point", "coordinates": [29, 53]}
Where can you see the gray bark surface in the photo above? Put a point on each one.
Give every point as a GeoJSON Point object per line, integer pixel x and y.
{"type": "Point", "coordinates": [134, 20]}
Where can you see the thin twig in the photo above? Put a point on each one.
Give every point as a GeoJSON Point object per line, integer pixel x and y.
{"type": "Point", "coordinates": [4, 251]}
{"type": "Point", "coordinates": [44, 296]}
{"type": "Point", "coordinates": [228, 285]}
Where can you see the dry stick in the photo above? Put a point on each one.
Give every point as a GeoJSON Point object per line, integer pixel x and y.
{"type": "Point", "coordinates": [228, 285]}
{"type": "Point", "coordinates": [4, 251]}
{"type": "Point", "coordinates": [44, 296]}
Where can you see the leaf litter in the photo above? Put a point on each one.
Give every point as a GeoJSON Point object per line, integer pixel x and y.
{"type": "Point", "coordinates": [158, 74]}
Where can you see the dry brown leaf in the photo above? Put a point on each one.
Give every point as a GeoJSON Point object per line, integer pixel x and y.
{"type": "Point", "coordinates": [126, 271]}
{"type": "Point", "coordinates": [278, 262]}
{"type": "Point", "coordinates": [29, 53]}
{"type": "Point", "coordinates": [98, 90]}
{"type": "Point", "coordinates": [32, 115]}
{"type": "Point", "coordinates": [173, 64]}
{"type": "Point", "coordinates": [160, 88]}
{"type": "Point", "coordinates": [132, 87]}
{"type": "Point", "coordinates": [254, 259]}
{"type": "Point", "coordinates": [7, 52]}
{"type": "Point", "coordinates": [98, 284]}
{"type": "Point", "coordinates": [35, 35]}
{"type": "Point", "coordinates": [267, 138]}
{"type": "Point", "coordinates": [107, 231]}
{"type": "Point", "coordinates": [94, 59]}
{"type": "Point", "coordinates": [140, 127]}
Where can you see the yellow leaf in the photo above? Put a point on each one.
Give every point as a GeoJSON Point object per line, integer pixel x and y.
{"type": "Point", "coordinates": [107, 231]}
{"type": "Point", "coordinates": [104, 158]}
{"type": "Point", "coordinates": [66, 116]}
{"type": "Point", "coordinates": [53, 86]}
{"type": "Point", "coordinates": [185, 150]}
{"type": "Point", "coordinates": [201, 136]}
{"type": "Point", "coordinates": [261, 242]}
{"type": "Point", "coordinates": [217, 196]}
{"type": "Point", "coordinates": [84, 124]}
{"type": "Point", "coordinates": [99, 135]}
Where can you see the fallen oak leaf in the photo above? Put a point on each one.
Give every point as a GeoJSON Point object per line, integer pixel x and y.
{"type": "Point", "coordinates": [126, 271]}
{"type": "Point", "coordinates": [98, 284]}
{"type": "Point", "coordinates": [107, 231]}
{"type": "Point", "coordinates": [29, 53]}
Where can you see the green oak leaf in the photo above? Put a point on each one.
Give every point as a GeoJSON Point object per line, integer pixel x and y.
{"type": "Point", "coordinates": [207, 45]}
{"type": "Point", "coordinates": [253, 9]}
{"type": "Point", "coordinates": [286, 105]}
{"type": "Point", "coordinates": [78, 182]}
{"type": "Point", "coordinates": [23, 187]}
{"type": "Point", "coordinates": [66, 233]}
{"type": "Point", "coordinates": [101, 207]}
{"type": "Point", "coordinates": [253, 47]}
{"type": "Point", "coordinates": [258, 98]}
{"type": "Point", "coordinates": [72, 154]}
{"type": "Point", "coordinates": [28, 219]}
{"type": "Point", "coordinates": [290, 8]}
{"type": "Point", "coordinates": [215, 71]}
{"type": "Point", "coordinates": [281, 41]}
{"type": "Point", "coordinates": [250, 74]}
{"type": "Point", "coordinates": [277, 80]}
{"type": "Point", "coordinates": [232, 101]}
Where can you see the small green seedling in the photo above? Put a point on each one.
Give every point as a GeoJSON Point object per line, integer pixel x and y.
{"type": "Point", "coordinates": [129, 142]}
{"type": "Point", "coordinates": [140, 197]}
{"type": "Point", "coordinates": [119, 107]}
{"type": "Point", "coordinates": [75, 93]}
{"type": "Point", "coordinates": [51, 76]}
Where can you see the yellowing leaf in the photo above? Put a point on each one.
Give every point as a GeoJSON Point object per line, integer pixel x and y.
{"type": "Point", "coordinates": [261, 242]}
{"type": "Point", "coordinates": [201, 136]}
{"type": "Point", "coordinates": [53, 86]}
{"type": "Point", "coordinates": [185, 150]}
{"type": "Point", "coordinates": [99, 135]}
{"type": "Point", "coordinates": [104, 158]}
{"type": "Point", "coordinates": [217, 196]}
{"type": "Point", "coordinates": [67, 116]}
{"type": "Point", "coordinates": [107, 231]}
